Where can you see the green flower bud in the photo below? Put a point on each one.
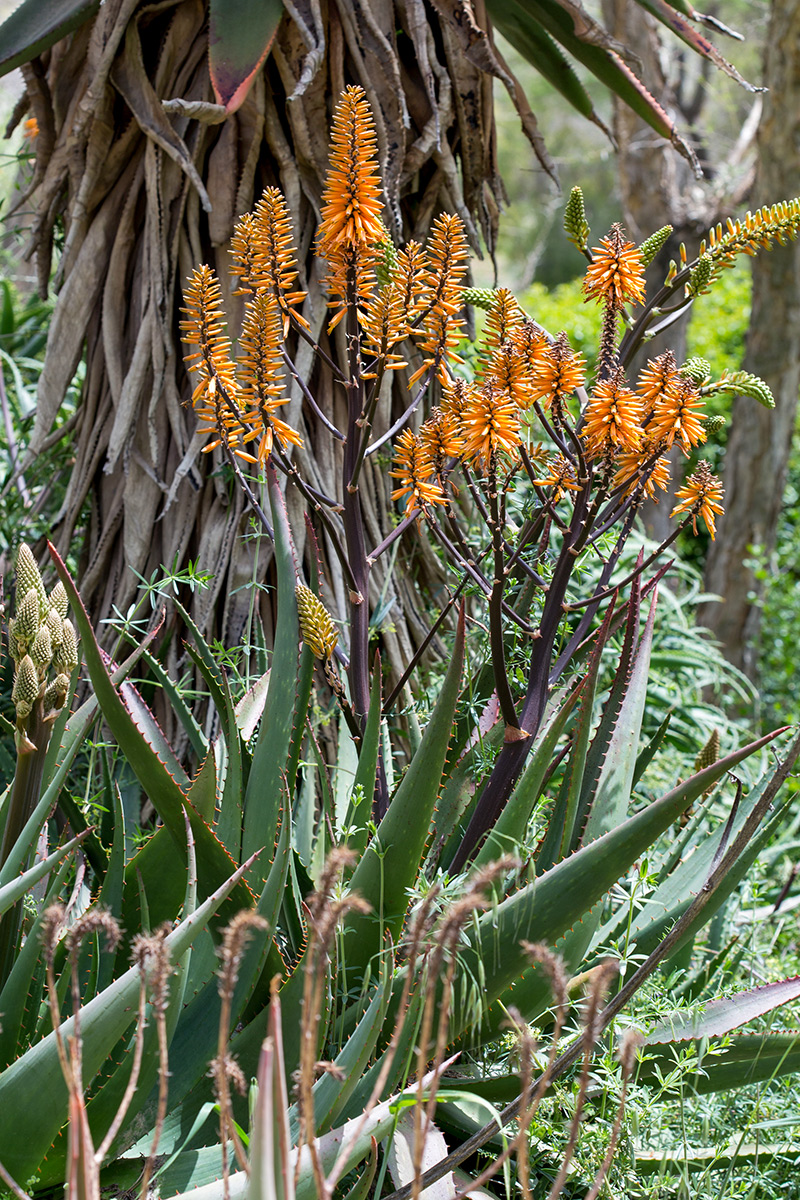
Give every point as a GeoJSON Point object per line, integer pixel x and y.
{"type": "Point", "coordinates": [65, 658]}
{"type": "Point", "coordinates": [55, 624]}
{"type": "Point", "coordinates": [58, 600]}
{"type": "Point", "coordinates": [697, 369]}
{"type": "Point", "coordinates": [28, 577]}
{"type": "Point", "coordinates": [316, 624]}
{"type": "Point", "coordinates": [26, 685]}
{"type": "Point", "coordinates": [651, 246]}
{"type": "Point", "coordinates": [700, 277]}
{"type": "Point", "coordinates": [56, 693]}
{"type": "Point", "coordinates": [714, 424]}
{"type": "Point", "coordinates": [479, 297]}
{"type": "Point", "coordinates": [576, 226]}
{"type": "Point", "coordinates": [26, 626]}
{"type": "Point", "coordinates": [42, 649]}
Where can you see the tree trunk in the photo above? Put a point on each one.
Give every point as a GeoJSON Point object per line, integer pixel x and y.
{"type": "Point", "coordinates": [758, 448]}
{"type": "Point", "coordinates": [141, 197]}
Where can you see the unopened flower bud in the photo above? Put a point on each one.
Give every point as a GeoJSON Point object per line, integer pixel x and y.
{"type": "Point", "coordinates": [28, 576]}
{"type": "Point", "coordinates": [65, 659]}
{"type": "Point", "coordinates": [316, 624]}
{"type": "Point", "coordinates": [28, 621]}
{"type": "Point", "coordinates": [26, 684]}
{"type": "Point", "coordinates": [56, 693]}
{"type": "Point", "coordinates": [58, 600]}
{"type": "Point", "coordinates": [41, 650]}
{"type": "Point", "coordinates": [55, 624]}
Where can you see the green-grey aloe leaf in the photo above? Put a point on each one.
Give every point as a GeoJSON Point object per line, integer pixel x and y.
{"type": "Point", "coordinates": [33, 27]}
{"type": "Point", "coordinates": [240, 34]}
{"type": "Point", "coordinates": [266, 791]}
{"type": "Point", "coordinates": [545, 909]}
{"type": "Point", "coordinates": [168, 798]}
{"type": "Point", "coordinates": [33, 1086]}
{"type": "Point", "coordinates": [391, 861]}
{"type": "Point", "coordinates": [721, 1016]}
{"type": "Point", "coordinates": [11, 892]}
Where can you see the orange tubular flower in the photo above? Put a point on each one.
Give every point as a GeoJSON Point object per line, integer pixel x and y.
{"type": "Point", "coordinates": [276, 262]}
{"type": "Point", "coordinates": [560, 476]}
{"type": "Point", "coordinates": [616, 274]}
{"type": "Point", "coordinates": [351, 226]}
{"type": "Point", "coordinates": [612, 418]}
{"type": "Point", "coordinates": [261, 376]}
{"type": "Point", "coordinates": [631, 463]}
{"type": "Point", "coordinates": [410, 279]}
{"type": "Point", "coordinates": [440, 438]}
{"type": "Point", "coordinates": [384, 322]}
{"type": "Point", "coordinates": [557, 374]}
{"type": "Point", "coordinates": [678, 415]}
{"type": "Point", "coordinates": [414, 470]}
{"type": "Point", "coordinates": [702, 496]}
{"type": "Point", "coordinates": [442, 327]}
{"type": "Point", "coordinates": [503, 319]}
{"type": "Point", "coordinates": [659, 377]}
{"type": "Point", "coordinates": [491, 426]}
{"type": "Point", "coordinates": [215, 396]}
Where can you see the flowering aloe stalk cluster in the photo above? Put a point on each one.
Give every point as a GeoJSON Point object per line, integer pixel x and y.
{"type": "Point", "coordinates": [522, 467]}
{"type": "Point", "coordinates": [361, 954]}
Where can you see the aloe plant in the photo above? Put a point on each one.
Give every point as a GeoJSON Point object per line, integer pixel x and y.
{"type": "Point", "coordinates": [389, 924]}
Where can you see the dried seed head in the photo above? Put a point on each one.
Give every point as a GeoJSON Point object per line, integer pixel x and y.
{"type": "Point", "coordinates": [316, 624]}
{"type": "Point", "coordinates": [97, 920]}
{"type": "Point", "coordinates": [58, 600]}
{"type": "Point", "coordinates": [28, 576]}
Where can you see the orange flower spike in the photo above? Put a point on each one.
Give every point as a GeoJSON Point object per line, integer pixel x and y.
{"type": "Point", "coordinates": [455, 397]}
{"type": "Point", "coordinates": [560, 475]}
{"type": "Point", "coordinates": [491, 426]}
{"type": "Point", "coordinates": [678, 416]}
{"type": "Point", "coordinates": [616, 273]}
{"type": "Point", "coordinates": [612, 419]}
{"type": "Point", "coordinates": [702, 496]}
{"type": "Point", "coordinates": [659, 377]}
{"type": "Point", "coordinates": [503, 320]}
{"type": "Point", "coordinates": [440, 438]}
{"type": "Point", "coordinates": [630, 464]}
{"type": "Point", "coordinates": [413, 468]}
{"type": "Point", "coordinates": [277, 264]}
{"type": "Point", "coordinates": [351, 226]}
{"type": "Point", "coordinates": [442, 327]}
{"type": "Point", "coordinates": [410, 279]}
{"type": "Point", "coordinates": [203, 326]}
{"type": "Point", "coordinates": [384, 322]}
{"type": "Point", "coordinates": [245, 255]}
{"type": "Point", "coordinates": [509, 372]}
{"type": "Point", "coordinates": [351, 198]}
{"type": "Point", "coordinates": [557, 374]}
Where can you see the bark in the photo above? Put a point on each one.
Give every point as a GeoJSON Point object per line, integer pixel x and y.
{"type": "Point", "coordinates": [758, 448]}
{"type": "Point", "coordinates": [141, 197]}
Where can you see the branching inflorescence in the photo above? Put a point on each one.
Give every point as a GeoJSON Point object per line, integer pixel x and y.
{"type": "Point", "coordinates": [519, 467]}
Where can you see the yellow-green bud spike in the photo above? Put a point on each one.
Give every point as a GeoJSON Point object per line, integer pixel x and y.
{"type": "Point", "coordinates": [745, 384]}
{"type": "Point", "coordinates": [576, 227]}
{"type": "Point", "coordinates": [65, 658]}
{"type": "Point", "coordinates": [714, 424]}
{"type": "Point", "coordinates": [316, 624]}
{"type": "Point", "coordinates": [56, 694]}
{"type": "Point", "coordinates": [700, 276]}
{"type": "Point", "coordinates": [26, 626]}
{"type": "Point", "coordinates": [55, 623]}
{"type": "Point", "coordinates": [709, 754]}
{"type": "Point", "coordinates": [651, 246]}
{"type": "Point", "coordinates": [26, 683]}
{"type": "Point", "coordinates": [58, 600]}
{"type": "Point", "coordinates": [697, 369]}
{"type": "Point", "coordinates": [41, 650]}
{"type": "Point", "coordinates": [386, 265]}
{"type": "Point", "coordinates": [28, 576]}
{"type": "Point", "coordinates": [479, 297]}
